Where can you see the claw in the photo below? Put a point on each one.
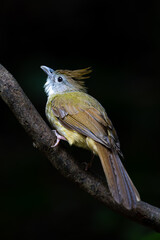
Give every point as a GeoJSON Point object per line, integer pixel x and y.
{"type": "Point", "coordinates": [59, 137]}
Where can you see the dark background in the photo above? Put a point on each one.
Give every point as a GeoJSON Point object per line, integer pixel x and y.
{"type": "Point", "coordinates": [121, 41]}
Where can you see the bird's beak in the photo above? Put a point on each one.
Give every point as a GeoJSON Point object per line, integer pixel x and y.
{"type": "Point", "coordinates": [47, 70]}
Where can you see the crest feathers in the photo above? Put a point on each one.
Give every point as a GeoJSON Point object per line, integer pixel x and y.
{"type": "Point", "coordinates": [75, 76]}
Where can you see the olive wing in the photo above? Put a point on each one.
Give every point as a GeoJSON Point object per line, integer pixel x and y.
{"type": "Point", "coordinates": [87, 120]}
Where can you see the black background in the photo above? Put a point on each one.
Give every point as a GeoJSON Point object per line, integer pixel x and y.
{"type": "Point", "coordinates": [121, 41]}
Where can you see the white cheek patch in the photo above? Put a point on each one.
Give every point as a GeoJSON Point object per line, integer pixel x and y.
{"type": "Point", "coordinates": [52, 87]}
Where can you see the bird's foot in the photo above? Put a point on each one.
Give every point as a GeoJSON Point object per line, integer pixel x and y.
{"type": "Point", "coordinates": [59, 137]}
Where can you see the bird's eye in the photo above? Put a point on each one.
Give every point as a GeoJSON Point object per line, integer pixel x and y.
{"type": "Point", "coordinates": [60, 79]}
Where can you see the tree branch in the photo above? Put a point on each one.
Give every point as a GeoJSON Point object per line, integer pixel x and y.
{"type": "Point", "coordinates": [42, 136]}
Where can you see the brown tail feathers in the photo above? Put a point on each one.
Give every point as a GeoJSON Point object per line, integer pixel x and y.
{"type": "Point", "coordinates": [119, 183]}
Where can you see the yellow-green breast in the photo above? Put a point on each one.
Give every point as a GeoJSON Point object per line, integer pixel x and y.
{"type": "Point", "coordinates": [72, 136]}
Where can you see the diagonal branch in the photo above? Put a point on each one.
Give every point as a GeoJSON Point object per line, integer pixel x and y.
{"type": "Point", "coordinates": [42, 136]}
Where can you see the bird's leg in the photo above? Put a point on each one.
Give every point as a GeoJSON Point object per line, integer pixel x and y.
{"type": "Point", "coordinates": [88, 165]}
{"type": "Point", "coordinates": [59, 137]}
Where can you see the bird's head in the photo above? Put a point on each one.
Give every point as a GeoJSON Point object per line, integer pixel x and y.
{"type": "Point", "coordinates": [61, 81]}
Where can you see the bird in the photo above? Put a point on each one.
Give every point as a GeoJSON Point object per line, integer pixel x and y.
{"type": "Point", "coordinates": [81, 120]}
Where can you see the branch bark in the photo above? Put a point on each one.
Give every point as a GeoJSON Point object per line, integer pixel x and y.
{"type": "Point", "coordinates": [42, 136]}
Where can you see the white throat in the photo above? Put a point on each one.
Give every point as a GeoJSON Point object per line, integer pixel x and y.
{"type": "Point", "coordinates": [48, 87]}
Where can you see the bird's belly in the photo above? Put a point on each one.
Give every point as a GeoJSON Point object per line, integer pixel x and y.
{"type": "Point", "coordinates": [73, 137]}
